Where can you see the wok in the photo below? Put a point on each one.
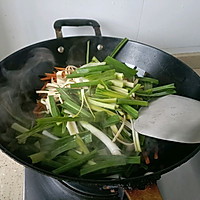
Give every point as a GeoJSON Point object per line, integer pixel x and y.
{"type": "Point", "coordinates": [20, 77]}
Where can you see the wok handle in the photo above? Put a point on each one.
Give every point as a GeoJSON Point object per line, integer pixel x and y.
{"type": "Point", "coordinates": [151, 192]}
{"type": "Point", "coordinates": [76, 22]}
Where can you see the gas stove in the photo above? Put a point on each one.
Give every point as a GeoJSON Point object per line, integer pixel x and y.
{"type": "Point", "coordinates": [182, 183]}
{"type": "Point", "coordinates": [38, 186]}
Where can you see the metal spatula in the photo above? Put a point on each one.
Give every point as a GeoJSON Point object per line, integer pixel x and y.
{"type": "Point", "coordinates": [172, 117]}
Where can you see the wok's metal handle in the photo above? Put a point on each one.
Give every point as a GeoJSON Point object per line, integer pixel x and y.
{"type": "Point", "coordinates": [76, 22]}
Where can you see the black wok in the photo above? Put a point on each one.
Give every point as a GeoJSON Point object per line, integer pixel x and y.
{"type": "Point", "coordinates": [21, 71]}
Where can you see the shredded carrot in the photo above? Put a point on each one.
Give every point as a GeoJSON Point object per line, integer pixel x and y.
{"type": "Point", "coordinates": [39, 107]}
{"type": "Point", "coordinates": [45, 78]}
{"type": "Point", "coordinates": [49, 76]}
{"type": "Point", "coordinates": [59, 68]}
{"type": "Point", "coordinates": [63, 74]}
{"type": "Point", "coordinates": [146, 157]}
{"type": "Point", "coordinates": [44, 86]}
{"type": "Point", "coordinates": [50, 73]}
{"type": "Point", "coordinates": [156, 153]}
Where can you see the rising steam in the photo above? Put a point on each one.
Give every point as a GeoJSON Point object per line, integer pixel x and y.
{"type": "Point", "coordinates": [17, 94]}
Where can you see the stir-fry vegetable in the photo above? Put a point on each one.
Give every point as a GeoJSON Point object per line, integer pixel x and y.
{"type": "Point", "coordinates": [86, 114]}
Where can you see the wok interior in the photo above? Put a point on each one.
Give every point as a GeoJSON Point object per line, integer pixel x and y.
{"type": "Point", "coordinates": [20, 77]}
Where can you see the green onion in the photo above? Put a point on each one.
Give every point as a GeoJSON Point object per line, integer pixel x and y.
{"type": "Point", "coordinates": [111, 106]}
{"type": "Point", "coordinates": [19, 128]}
{"type": "Point", "coordinates": [158, 94]}
{"type": "Point", "coordinates": [130, 110]}
{"type": "Point", "coordinates": [109, 93]}
{"type": "Point", "coordinates": [53, 107]}
{"type": "Point", "coordinates": [100, 109]}
{"type": "Point", "coordinates": [132, 102]}
{"type": "Point", "coordinates": [103, 165]}
{"type": "Point", "coordinates": [150, 80]}
{"type": "Point", "coordinates": [164, 87]}
{"type": "Point", "coordinates": [118, 83]}
{"type": "Point", "coordinates": [128, 83]}
{"type": "Point", "coordinates": [84, 84]}
{"type": "Point", "coordinates": [120, 67]}
{"type": "Point", "coordinates": [38, 128]}
{"type": "Point", "coordinates": [148, 85]}
{"type": "Point", "coordinates": [92, 64]}
{"type": "Point", "coordinates": [93, 69]}
{"type": "Point", "coordinates": [135, 89]}
{"type": "Point", "coordinates": [108, 100]}
{"type": "Point", "coordinates": [68, 143]}
{"type": "Point", "coordinates": [111, 121]}
{"type": "Point", "coordinates": [88, 51]}
{"type": "Point", "coordinates": [49, 120]}
{"type": "Point", "coordinates": [38, 157]}
{"type": "Point", "coordinates": [81, 144]}
{"type": "Point", "coordinates": [119, 76]}
{"type": "Point", "coordinates": [95, 60]}
{"type": "Point", "coordinates": [76, 163]}
{"type": "Point", "coordinates": [118, 47]}
{"type": "Point", "coordinates": [107, 75]}
{"type": "Point", "coordinates": [71, 106]}
{"type": "Point", "coordinates": [51, 163]}
{"type": "Point", "coordinates": [76, 75]}
{"type": "Point", "coordinates": [133, 160]}
{"type": "Point", "coordinates": [120, 90]}
{"type": "Point", "coordinates": [73, 154]}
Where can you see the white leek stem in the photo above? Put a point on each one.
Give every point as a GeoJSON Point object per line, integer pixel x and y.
{"type": "Point", "coordinates": [120, 129]}
{"type": "Point", "coordinates": [135, 138]}
{"type": "Point", "coordinates": [128, 124]}
{"type": "Point", "coordinates": [19, 128]}
{"type": "Point", "coordinates": [128, 84]}
{"type": "Point", "coordinates": [125, 143]}
{"type": "Point", "coordinates": [82, 103]}
{"type": "Point", "coordinates": [93, 64]}
{"type": "Point", "coordinates": [137, 141]}
{"type": "Point", "coordinates": [72, 128]}
{"type": "Point", "coordinates": [120, 90]}
{"type": "Point", "coordinates": [99, 109]}
{"type": "Point", "coordinates": [89, 107]}
{"type": "Point", "coordinates": [118, 83]}
{"type": "Point", "coordinates": [46, 133]}
{"type": "Point", "coordinates": [119, 76]}
{"type": "Point", "coordinates": [111, 106]}
{"type": "Point", "coordinates": [113, 148]}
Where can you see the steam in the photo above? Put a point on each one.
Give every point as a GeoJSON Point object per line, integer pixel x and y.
{"type": "Point", "coordinates": [17, 94]}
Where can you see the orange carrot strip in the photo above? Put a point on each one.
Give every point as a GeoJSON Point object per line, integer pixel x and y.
{"type": "Point", "coordinates": [63, 74]}
{"type": "Point", "coordinates": [60, 68]}
{"type": "Point", "coordinates": [156, 153]}
{"type": "Point", "coordinates": [45, 79]}
{"type": "Point", "coordinates": [146, 157]}
{"type": "Point", "coordinates": [48, 77]}
{"type": "Point", "coordinates": [44, 86]}
{"type": "Point", "coordinates": [50, 74]}
{"type": "Point", "coordinates": [39, 107]}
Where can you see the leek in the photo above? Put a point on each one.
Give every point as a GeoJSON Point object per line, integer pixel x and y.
{"type": "Point", "coordinates": [114, 149]}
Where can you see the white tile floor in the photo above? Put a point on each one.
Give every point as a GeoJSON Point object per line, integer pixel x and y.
{"type": "Point", "coordinates": [11, 178]}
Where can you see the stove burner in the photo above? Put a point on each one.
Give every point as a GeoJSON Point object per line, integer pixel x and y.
{"type": "Point", "coordinates": [38, 186]}
{"type": "Point", "coordinates": [92, 190]}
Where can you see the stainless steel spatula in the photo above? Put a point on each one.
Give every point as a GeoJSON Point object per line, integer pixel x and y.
{"type": "Point", "coordinates": [172, 117]}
